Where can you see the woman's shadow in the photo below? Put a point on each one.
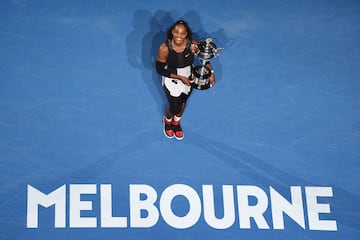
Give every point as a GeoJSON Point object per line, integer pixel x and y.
{"type": "Point", "coordinates": [142, 45]}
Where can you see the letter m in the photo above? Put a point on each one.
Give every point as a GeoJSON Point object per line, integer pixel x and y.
{"type": "Point", "coordinates": [36, 198]}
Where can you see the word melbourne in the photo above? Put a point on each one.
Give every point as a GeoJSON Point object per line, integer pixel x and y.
{"type": "Point", "coordinates": [246, 205]}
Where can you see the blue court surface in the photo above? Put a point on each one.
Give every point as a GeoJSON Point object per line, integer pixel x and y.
{"type": "Point", "coordinates": [271, 152]}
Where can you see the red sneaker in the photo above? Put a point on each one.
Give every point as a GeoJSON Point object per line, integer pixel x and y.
{"type": "Point", "coordinates": [179, 134]}
{"type": "Point", "coordinates": [168, 128]}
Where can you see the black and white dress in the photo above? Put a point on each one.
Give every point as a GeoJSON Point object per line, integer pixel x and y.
{"type": "Point", "coordinates": [180, 64]}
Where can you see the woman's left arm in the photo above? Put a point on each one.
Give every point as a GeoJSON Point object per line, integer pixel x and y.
{"type": "Point", "coordinates": [212, 76]}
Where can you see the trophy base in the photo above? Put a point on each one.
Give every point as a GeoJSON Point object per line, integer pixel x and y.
{"type": "Point", "coordinates": [201, 75]}
{"type": "Point", "coordinates": [201, 84]}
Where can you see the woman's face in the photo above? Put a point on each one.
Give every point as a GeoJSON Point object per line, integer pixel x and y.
{"type": "Point", "coordinates": [179, 34]}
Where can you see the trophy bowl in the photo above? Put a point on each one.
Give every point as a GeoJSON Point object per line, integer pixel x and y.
{"type": "Point", "coordinates": [206, 50]}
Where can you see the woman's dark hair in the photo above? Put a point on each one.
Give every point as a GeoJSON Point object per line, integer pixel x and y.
{"type": "Point", "coordinates": [169, 35]}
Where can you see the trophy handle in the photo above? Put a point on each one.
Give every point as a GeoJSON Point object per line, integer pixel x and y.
{"type": "Point", "coordinates": [218, 51]}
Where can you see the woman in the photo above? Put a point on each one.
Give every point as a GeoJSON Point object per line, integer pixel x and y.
{"type": "Point", "coordinates": [175, 62]}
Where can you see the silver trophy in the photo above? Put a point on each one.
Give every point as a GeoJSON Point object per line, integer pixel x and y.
{"type": "Point", "coordinates": [205, 51]}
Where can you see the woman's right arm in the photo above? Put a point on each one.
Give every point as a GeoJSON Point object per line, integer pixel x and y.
{"type": "Point", "coordinates": [161, 65]}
